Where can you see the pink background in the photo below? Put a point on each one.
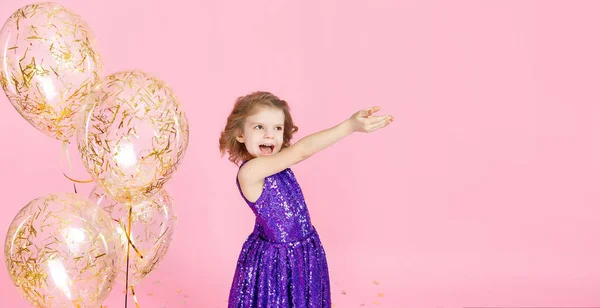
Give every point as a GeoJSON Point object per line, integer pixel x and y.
{"type": "Point", "coordinates": [483, 192]}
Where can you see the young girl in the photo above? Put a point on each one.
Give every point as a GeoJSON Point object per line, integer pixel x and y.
{"type": "Point", "coordinates": [282, 263]}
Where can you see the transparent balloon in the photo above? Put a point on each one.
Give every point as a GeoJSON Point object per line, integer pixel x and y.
{"type": "Point", "coordinates": [152, 225]}
{"type": "Point", "coordinates": [49, 64]}
{"type": "Point", "coordinates": [61, 250]}
{"type": "Point", "coordinates": [133, 135]}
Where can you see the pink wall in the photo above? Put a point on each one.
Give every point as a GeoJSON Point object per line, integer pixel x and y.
{"type": "Point", "coordinates": [483, 192]}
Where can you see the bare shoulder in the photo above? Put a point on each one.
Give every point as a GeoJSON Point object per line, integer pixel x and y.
{"type": "Point", "coordinates": [251, 189]}
{"type": "Point", "coordinates": [257, 169]}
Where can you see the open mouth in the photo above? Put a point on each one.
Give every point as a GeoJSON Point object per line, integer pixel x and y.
{"type": "Point", "coordinates": [266, 149]}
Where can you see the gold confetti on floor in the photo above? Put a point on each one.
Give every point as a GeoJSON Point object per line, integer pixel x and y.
{"type": "Point", "coordinates": [375, 302]}
{"type": "Point", "coordinates": [344, 292]}
{"type": "Point", "coordinates": [150, 294]}
{"type": "Point", "coordinates": [379, 294]}
{"type": "Point", "coordinates": [376, 282]}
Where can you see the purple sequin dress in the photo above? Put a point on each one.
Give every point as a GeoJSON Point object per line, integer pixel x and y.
{"type": "Point", "coordinates": [282, 263]}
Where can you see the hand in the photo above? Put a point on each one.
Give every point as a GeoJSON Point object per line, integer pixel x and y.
{"type": "Point", "coordinates": [364, 120]}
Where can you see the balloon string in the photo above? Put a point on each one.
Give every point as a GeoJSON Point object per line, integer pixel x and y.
{"type": "Point", "coordinates": [129, 239]}
{"type": "Point", "coordinates": [127, 267]}
{"type": "Point", "coordinates": [137, 305]}
{"type": "Point", "coordinates": [68, 158]}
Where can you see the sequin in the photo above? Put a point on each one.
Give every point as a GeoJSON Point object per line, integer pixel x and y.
{"type": "Point", "coordinates": [282, 262]}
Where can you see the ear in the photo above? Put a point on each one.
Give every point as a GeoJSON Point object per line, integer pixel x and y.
{"type": "Point", "coordinates": [240, 137]}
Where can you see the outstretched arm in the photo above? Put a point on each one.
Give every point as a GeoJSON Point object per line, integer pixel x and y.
{"type": "Point", "coordinates": [362, 121]}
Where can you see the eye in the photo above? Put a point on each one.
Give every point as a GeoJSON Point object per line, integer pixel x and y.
{"type": "Point", "coordinates": [279, 128]}
{"type": "Point", "coordinates": [258, 127]}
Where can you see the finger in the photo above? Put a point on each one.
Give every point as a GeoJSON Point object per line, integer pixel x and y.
{"type": "Point", "coordinates": [375, 109]}
{"type": "Point", "coordinates": [376, 126]}
{"type": "Point", "coordinates": [377, 119]}
{"type": "Point", "coordinates": [369, 111]}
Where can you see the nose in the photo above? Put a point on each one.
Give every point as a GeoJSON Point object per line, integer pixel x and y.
{"type": "Point", "coordinates": [269, 133]}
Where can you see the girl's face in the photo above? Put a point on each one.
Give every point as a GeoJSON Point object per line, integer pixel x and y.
{"type": "Point", "coordinates": [263, 132]}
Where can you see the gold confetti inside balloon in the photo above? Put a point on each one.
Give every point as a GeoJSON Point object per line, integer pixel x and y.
{"type": "Point", "coordinates": [152, 225]}
{"type": "Point", "coordinates": [61, 250]}
{"type": "Point", "coordinates": [133, 135]}
{"type": "Point", "coordinates": [48, 65]}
